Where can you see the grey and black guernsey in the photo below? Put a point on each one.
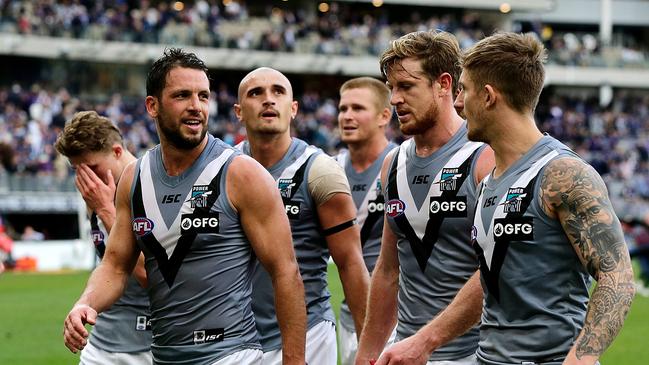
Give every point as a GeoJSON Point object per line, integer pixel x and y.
{"type": "Point", "coordinates": [125, 326]}
{"type": "Point", "coordinates": [429, 206]}
{"type": "Point", "coordinates": [536, 289]}
{"type": "Point", "coordinates": [198, 260]}
{"type": "Point", "coordinates": [368, 198]}
{"type": "Point", "coordinates": [311, 250]}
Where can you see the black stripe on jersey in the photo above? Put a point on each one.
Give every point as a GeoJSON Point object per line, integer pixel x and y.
{"type": "Point", "coordinates": [299, 175]}
{"type": "Point", "coordinates": [94, 226]}
{"type": "Point", "coordinates": [169, 266]}
{"type": "Point", "coordinates": [371, 220]}
{"type": "Point", "coordinates": [500, 247]}
{"type": "Point", "coordinates": [423, 248]}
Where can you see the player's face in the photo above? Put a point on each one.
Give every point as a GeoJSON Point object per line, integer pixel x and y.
{"type": "Point", "coordinates": [266, 105]}
{"type": "Point", "coordinates": [413, 95]}
{"type": "Point", "coordinates": [99, 163]}
{"type": "Point", "coordinates": [468, 103]}
{"type": "Point", "coordinates": [359, 119]}
{"type": "Point", "coordinates": [182, 110]}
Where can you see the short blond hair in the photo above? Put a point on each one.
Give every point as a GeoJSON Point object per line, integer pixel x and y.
{"type": "Point", "coordinates": [87, 131]}
{"type": "Point", "coordinates": [379, 90]}
{"type": "Point", "coordinates": [512, 63]}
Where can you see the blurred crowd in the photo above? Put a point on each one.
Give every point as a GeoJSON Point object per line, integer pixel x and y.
{"type": "Point", "coordinates": [344, 29]}
{"type": "Point", "coordinates": [614, 139]}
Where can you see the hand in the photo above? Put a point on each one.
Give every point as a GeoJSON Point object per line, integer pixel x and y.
{"type": "Point", "coordinates": [74, 333]}
{"type": "Point", "coordinates": [99, 196]}
{"type": "Point", "coordinates": [411, 351]}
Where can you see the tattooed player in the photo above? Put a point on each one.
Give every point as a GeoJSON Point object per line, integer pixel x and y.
{"type": "Point", "coordinates": [543, 222]}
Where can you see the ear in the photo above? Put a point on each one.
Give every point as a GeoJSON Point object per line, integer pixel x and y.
{"type": "Point", "coordinates": [237, 112]}
{"type": "Point", "coordinates": [118, 150]}
{"type": "Point", "coordinates": [445, 81]}
{"type": "Point", "coordinates": [385, 117]}
{"type": "Point", "coordinates": [294, 107]}
{"type": "Point", "coordinates": [151, 103]}
{"type": "Point", "coordinates": [489, 96]}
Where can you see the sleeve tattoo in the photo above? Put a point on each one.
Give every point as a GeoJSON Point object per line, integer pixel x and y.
{"type": "Point", "coordinates": [573, 191]}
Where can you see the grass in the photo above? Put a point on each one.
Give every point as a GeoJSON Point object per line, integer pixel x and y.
{"type": "Point", "coordinates": [33, 307]}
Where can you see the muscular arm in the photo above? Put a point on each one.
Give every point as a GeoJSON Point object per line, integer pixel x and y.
{"type": "Point", "coordinates": [462, 314]}
{"type": "Point", "coordinates": [381, 314]}
{"type": "Point", "coordinates": [330, 191]}
{"type": "Point", "coordinates": [107, 282]}
{"type": "Point", "coordinates": [99, 198]}
{"type": "Point", "coordinates": [266, 225]}
{"type": "Point", "coordinates": [575, 194]}
{"type": "Point", "coordinates": [345, 249]}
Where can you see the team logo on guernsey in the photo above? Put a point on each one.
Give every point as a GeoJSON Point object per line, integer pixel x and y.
{"type": "Point", "coordinates": [142, 323]}
{"type": "Point", "coordinates": [379, 188]}
{"type": "Point", "coordinates": [142, 226]}
{"type": "Point", "coordinates": [513, 229]}
{"type": "Point", "coordinates": [448, 180]}
{"type": "Point", "coordinates": [97, 237]}
{"type": "Point", "coordinates": [199, 196]}
{"type": "Point", "coordinates": [514, 200]}
{"type": "Point", "coordinates": [448, 206]}
{"type": "Point", "coordinates": [199, 223]}
{"type": "Point", "coordinates": [394, 208]}
{"type": "Point", "coordinates": [285, 187]}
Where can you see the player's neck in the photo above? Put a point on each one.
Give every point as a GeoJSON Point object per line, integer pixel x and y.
{"type": "Point", "coordinates": [513, 141]}
{"type": "Point", "coordinates": [437, 136]}
{"type": "Point", "coordinates": [363, 154]}
{"type": "Point", "coordinates": [177, 160]}
{"type": "Point", "coordinates": [269, 149]}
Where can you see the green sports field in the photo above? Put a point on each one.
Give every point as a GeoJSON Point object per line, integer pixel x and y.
{"type": "Point", "coordinates": [33, 306]}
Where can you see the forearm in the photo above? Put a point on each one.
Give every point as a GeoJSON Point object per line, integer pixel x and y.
{"type": "Point", "coordinates": [381, 316]}
{"type": "Point", "coordinates": [104, 287]}
{"type": "Point", "coordinates": [291, 314]}
{"type": "Point", "coordinates": [355, 281]}
{"type": "Point", "coordinates": [607, 310]}
{"type": "Point", "coordinates": [107, 216]}
{"type": "Point", "coordinates": [457, 318]}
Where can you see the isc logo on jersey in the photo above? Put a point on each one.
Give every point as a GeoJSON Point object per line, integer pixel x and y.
{"type": "Point", "coordinates": [194, 223]}
{"type": "Point", "coordinates": [210, 335]}
{"type": "Point", "coordinates": [448, 207]}
{"type": "Point", "coordinates": [514, 229]}
{"type": "Point", "coordinates": [394, 208]}
{"type": "Point", "coordinates": [142, 226]}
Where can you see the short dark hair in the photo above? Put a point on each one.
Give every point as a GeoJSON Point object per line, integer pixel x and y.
{"type": "Point", "coordinates": [171, 58]}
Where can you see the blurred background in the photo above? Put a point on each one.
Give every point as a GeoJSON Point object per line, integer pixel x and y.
{"type": "Point", "coordinates": [60, 57]}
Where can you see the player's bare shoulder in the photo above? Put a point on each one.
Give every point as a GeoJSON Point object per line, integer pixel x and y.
{"type": "Point", "coordinates": [245, 179]}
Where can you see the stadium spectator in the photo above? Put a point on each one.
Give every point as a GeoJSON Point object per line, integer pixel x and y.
{"type": "Point", "coordinates": [320, 209]}
{"type": "Point", "coordinates": [6, 246]}
{"type": "Point", "coordinates": [364, 113]}
{"type": "Point", "coordinates": [30, 234]}
{"type": "Point", "coordinates": [208, 216]}
{"type": "Point", "coordinates": [430, 185]}
{"type": "Point", "coordinates": [95, 149]}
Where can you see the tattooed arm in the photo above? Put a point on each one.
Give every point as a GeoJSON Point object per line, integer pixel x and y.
{"type": "Point", "coordinates": [575, 194]}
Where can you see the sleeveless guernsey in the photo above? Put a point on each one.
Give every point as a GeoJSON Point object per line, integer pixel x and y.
{"type": "Point", "coordinates": [536, 289]}
{"type": "Point", "coordinates": [198, 260]}
{"type": "Point", "coordinates": [125, 326]}
{"type": "Point", "coordinates": [429, 207]}
{"type": "Point", "coordinates": [368, 198]}
{"type": "Point", "coordinates": [311, 249]}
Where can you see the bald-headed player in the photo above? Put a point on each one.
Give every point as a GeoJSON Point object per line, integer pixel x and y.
{"type": "Point", "coordinates": [320, 208]}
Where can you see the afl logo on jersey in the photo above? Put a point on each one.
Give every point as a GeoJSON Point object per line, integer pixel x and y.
{"type": "Point", "coordinates": [97, 237]}
{"type": "Point", "coordinates": [394, 208]}
{"type": "Point", "coordinates": [142, 226]}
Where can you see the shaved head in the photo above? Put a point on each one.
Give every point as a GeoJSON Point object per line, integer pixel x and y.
{"type": "Point", "coordinates": [263, 72]}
